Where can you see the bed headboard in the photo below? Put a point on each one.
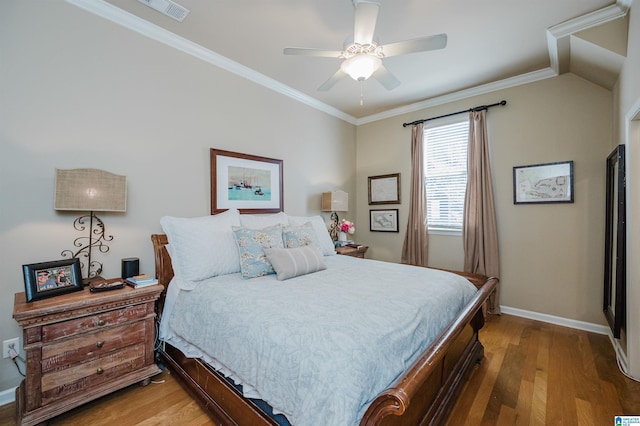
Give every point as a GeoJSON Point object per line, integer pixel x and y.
{"type": "Point", "coordinates": [164, 270]}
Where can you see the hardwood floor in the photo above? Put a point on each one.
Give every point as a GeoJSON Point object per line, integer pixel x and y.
{"type": "Point", "coordinates": [163, 402]}
{"type": "Point", "coordinates": [533, 374]}
{"type": "Point", "coordinates": [536, 373]}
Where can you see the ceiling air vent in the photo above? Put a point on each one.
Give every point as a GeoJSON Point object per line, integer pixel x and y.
{"type": "Point", "coordinates": [167, 7]}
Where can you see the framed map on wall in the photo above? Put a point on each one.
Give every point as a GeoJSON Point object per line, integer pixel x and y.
{"type": "Point", "coordinates": [543, 183]}
{"type": "Point", "coordinates": [384, 189]}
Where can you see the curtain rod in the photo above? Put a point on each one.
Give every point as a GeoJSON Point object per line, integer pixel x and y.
{"type": "Point", "coordinates": [478, 108]}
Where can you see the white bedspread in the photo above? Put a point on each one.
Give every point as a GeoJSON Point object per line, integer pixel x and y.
{"type": "Point", "coordinates": [320, 347]}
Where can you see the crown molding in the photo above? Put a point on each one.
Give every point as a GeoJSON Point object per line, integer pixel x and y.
{"type": "Point", "coordinates": [115, 14]}
{"type": "Point", "coordinates": [555, 36]}
{"type": "Point", "coordinates": [590, 20]}
{"type": "Point", "coordinates": [463, 94]}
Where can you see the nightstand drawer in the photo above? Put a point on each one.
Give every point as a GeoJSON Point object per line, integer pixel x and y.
{"type": "Point", "coordinates": [89, 323]}
{"type": "Point", "coordinates": [85, 346]}
{"type": "Point", "coordinates": [67, 381]}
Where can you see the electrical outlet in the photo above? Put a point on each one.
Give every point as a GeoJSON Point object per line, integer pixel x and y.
{"type": "Point", "coordinates": [15, 342]}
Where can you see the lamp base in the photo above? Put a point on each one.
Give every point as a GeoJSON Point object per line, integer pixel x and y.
{"type": "Point", "coordinates": [334, 229]}
{"type": "Point", "coordinates": [96, 239]}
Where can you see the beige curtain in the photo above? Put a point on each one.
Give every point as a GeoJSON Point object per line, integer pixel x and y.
{"type": "Point", "coordinates": [479, 230]}
{"type": "Point", "coordinates": [415, 248]}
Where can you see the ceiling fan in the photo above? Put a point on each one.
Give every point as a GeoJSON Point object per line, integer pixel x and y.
{"type": "Point", "coordinates": [362, 57]}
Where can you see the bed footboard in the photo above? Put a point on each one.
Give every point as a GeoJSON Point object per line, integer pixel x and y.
{"type": "Point", "coordinates": [426, 394]}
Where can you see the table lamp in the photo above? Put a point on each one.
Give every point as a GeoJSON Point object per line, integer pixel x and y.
{"type": "Point", "coordinates": [336, 201]}
{"type": "Point", "coordinates": [90, 190]}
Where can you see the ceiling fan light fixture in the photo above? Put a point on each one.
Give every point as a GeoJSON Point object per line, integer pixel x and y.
{"type": "Point", "coordinates": [361, 67]}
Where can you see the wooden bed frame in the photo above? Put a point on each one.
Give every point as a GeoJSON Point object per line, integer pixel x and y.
{"type": "Point", "coordinates": [424, 395]}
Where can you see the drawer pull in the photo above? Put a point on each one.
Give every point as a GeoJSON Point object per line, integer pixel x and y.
{"type": "Point", "coordinates": [100, 344]}
{"type": "Point", "coordinates": [99, 371]}
{"type": "Point", "coordinates": [101, 322]}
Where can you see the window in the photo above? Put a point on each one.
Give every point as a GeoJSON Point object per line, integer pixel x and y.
{"type": "Point", "coordinates": [445, 164]}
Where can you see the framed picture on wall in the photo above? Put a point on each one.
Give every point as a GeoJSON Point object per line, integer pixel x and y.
{"type": "Point", "coordinates": [543, 183]}
{"type": "Point", "coordinates": [245, 182]}
{"type": "Point", "coordinates": [383, 220]}
{"type": "Point", "coordinates": [384, 189]}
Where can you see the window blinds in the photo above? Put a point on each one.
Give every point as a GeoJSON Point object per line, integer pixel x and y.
{"type": "Point", "coordinates": [445, 166]}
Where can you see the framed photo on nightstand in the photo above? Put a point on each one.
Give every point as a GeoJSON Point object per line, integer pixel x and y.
{"type": "Point", "coordinates": [48, 279]}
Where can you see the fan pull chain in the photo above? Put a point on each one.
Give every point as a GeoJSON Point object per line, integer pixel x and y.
{"type": "Point", "coordinates": [361, 92]}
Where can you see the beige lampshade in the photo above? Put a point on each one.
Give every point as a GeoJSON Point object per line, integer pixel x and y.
{"type": "Point", "coordinates": [90, 190]}
{"type": "Point", "coordinates": [336, 201]}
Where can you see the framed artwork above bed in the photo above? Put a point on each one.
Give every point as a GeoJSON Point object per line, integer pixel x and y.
{"type": "Point", "coordinates": [245, 182]}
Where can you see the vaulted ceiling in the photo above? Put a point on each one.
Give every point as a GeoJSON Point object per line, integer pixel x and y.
{"type": "Point", "coordinates": [491, 44]}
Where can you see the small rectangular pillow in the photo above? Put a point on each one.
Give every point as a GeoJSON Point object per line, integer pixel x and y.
{"type": "Point", "coordinates": [251, 245]}
{"type": "Point", "coordinates": [293, 262]}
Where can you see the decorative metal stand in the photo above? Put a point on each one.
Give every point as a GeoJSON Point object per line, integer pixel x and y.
{"type": "Point", "coordinates": [96, 238]}
{"type": "Point", "coordinates": [334, 228]}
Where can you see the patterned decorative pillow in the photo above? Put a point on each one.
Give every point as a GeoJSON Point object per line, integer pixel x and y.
{"type": "Point", "coordinates": [251, 244]}
{"type": "Point", "coordinates": [293, 262]}
{"type": "Point", "coordinates": [324, 239]}
{"type": "Point", "coordinates": [298, 236]}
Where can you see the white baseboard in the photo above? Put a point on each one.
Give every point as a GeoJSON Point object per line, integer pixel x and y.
{"type": "Point", "coordinates": [7, 396]}
{"type": "Point", "coordinates": [552, 319]}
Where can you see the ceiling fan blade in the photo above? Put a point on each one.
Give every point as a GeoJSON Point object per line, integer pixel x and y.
{"type": "Point", "coordinates": [332, 81]}
{"type": "Point", "coordinates": [365, 22]}
{"type": "Point", "coordinates": [423, 44]}
{"type": "Point", "coordinates": [312, 52]}
{"type": "Point", "coordinates": [384, 76]}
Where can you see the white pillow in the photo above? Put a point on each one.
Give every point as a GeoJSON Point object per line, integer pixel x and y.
{"type": "Point", "coordinates": [202, 247]}
{"type": "Point", "coordinates": [293, 262]}
{"type": "Point", "coordinates": [261, 221]}
{"type": "Point", "coordinates": [324, 239]}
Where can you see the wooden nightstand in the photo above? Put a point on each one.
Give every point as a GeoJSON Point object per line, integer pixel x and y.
{"type": "Point", "coordinates": [352, 251]}
{"type": "Point", "coordinates": [81, 346]}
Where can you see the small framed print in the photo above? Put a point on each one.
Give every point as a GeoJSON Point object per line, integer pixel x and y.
{"type": "Point", "coordinates": [48, 279]}
{"type": "Point", "coordinates": [384, 189]}
{"type": "Point", "coordinates": [543, 183]}
{"type": "Point", "coordinates": [383, 220]}
{"type": "Point", "coordinates": [245, 182]}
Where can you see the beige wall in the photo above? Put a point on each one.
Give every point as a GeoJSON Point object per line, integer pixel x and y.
{"type": "Point", "coordinates": [551, 255]}
{"type": "Point", "coordinates": [79, 91]}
